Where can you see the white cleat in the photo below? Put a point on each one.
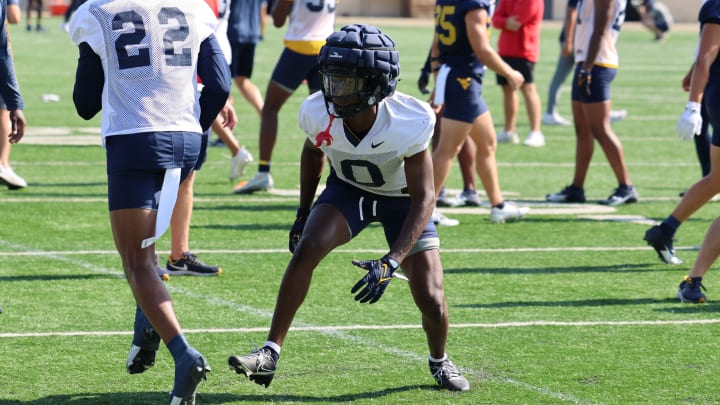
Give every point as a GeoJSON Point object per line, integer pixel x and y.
{"type": "Point", "coordinates": [441, 220]}
{"type": "Point", "coordinates": [239, 162]}
{"type": "Point", "coordinates": [555, 119]}
{"type": "Point", "coordinates": [617, 115]}
{"type": "Point", "coordinates": [509, 213]}
{"type": "Point", "coordinates": [536, 139]}
{"type": "Point", "coordinates": [262, 181]}
{"type": "Point", "coordinates": [11, 179]}
{"type": "Point", "coordinates": [507, 137]}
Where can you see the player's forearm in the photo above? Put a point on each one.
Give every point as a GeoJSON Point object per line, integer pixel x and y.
{"type": "Point", "coordinates": [215, 75]}
{"type": "Point", "coordinates": [312, 162]}
{"type": "Point", "coordinates": [89, 82]}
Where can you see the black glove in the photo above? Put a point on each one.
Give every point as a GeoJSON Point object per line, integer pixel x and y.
{"type": "Point", "coordinates": [423, 81]}
{"type": "Point", "coordinates": [297, 228]}
{"type": "Point", "coordinates": [584, 78]}
{"type": "Point", "coordinates": [380, 273]}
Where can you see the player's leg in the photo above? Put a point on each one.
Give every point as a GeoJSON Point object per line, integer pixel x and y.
{"type": "Point", "coordinates": [482, 132]}
{"type": "Point", "coordinates": [326, 228]}
{"type": "Point", "coordinates": [425, 275]}
{"type": "Point", "coordinates": [241, 67]}
{"type": "Point", "coordinates": [7, 173]}
{"type": "Point", "coordinates": [453, 136]}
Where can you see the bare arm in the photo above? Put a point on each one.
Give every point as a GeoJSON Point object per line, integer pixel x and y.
{"type": "Point", "coordinates": [476, 21]}
{"type": "Point", "coordinates": [280, 12]}
{"type": "Point", "coordinates": [569, 27]}
{"type": "Point", "coordinates": [419, 175]}
{"type": "Point", "coordinates": [13, 13]}
{"type": "Point", "coordinates": [312, 161]}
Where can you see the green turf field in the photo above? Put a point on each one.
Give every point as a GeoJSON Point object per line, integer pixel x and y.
{"type": "Point", "coordinates": [563, 307]}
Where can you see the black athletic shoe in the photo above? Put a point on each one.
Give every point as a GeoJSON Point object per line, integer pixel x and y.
{"type": "Point", "coordinates": [259, 366]}
{"type": "Point", "coordinates": [190, 265]}
{"type": "Point", "coordinates": [569, 194]}
{"type": "Point", "coordinates": [662, 244]}
{"type": "Point", "coordinates": [689, 290]}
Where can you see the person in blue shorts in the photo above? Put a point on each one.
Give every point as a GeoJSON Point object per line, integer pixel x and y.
{"type": "Point", "coordinates": [596, 64]}
{"type": "Point", "coordinates": [308, 26]}
{"type": "Point", "coordinates": [134, 58]}
{"type": "Point", "coordinates": [376, 141]}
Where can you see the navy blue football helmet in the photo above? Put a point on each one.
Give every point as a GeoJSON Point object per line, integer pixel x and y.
{"type": "Point", "coordinates": [358, 60]}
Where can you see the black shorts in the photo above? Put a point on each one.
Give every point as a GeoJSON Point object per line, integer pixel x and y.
{"type": "Point", "coordinates": [522, 65]}
{"type": "Point", "coordinates": [243, 58]}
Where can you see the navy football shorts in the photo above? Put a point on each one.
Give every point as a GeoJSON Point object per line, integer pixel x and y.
{"type": "Point", "coordinates": [292, 68]}
{"type": "Point", "coordinates": [463, 98]}
{"type": "Point", "coordinates": [599, 85]}
{"type": "Point", "coordinates": [136, 165]}
{"type": "Point", "coordinates": [360, 208]}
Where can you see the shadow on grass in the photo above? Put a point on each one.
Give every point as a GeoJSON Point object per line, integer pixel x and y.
{"type": "Point", "coordinates": [209, 398]}
{"type": "Point", "coordinates": [620, 268]}
{"type": "Point", "coordinates": [595, 302]}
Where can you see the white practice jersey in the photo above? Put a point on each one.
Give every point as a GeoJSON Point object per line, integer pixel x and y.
{"type": "Point", "coordinates": [149, 51]}
{"type": "Point", "coordinates": [608, 55]}
{"type": "Point", "coordinates": [403, 128]}
{"type": "Point", "coordinates": [311, 21]}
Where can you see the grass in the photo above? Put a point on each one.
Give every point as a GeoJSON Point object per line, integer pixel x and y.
{"type": "Point", "coordinates": [558, 308]}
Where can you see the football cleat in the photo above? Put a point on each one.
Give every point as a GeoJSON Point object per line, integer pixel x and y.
{"type": "Point", "coordinates": [508, 137]}
{"type": "Point", "coordinates": [185, 394]}
{"type": "Point", "coordinates": [569, 194]}
{"type": "Point", "coordinates": [259, 366]}
{"type": "Point", "coordinates": [621, 195]}
{"type": "Point", "coordinates": [9, 178]}
{"type": "Point", "coordinates": [441, 220]}
{"type": "Point", "coordinates": [662, 244]}
{"type": "Point", "coordinates": [447, 376]}
{"type": "Point", "coordinates": [555, 119]}
{"type": "Point", "coordinates": [262, 181]}
{"type": "Point", "coordinates": [470, 198]}
{"type": "Point", "coordinates": [190, 265]}
{"type": "Point", "coordinates": [142, 357]}
{"type": "Point", "coordinates": [239, 162]}
{"type": "Point", "coordinates": [617, 115]}
{"type": "Point", "coordinates": [444, 200]}
{"type": "Point", "coordinates": [689, 290]}
{"type": "Point", "coordinates": [508, 213]}
{"type": "Point", "coordinates": [536, 139]}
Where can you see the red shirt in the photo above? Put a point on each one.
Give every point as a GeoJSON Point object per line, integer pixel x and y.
{"type": "Point", "coordinates": [525, 42]}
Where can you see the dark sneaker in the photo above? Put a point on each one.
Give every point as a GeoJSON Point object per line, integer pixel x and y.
{"type": "Point", "coordinates": [259, 366]}
{"type": "Point", "coordinates": [621, 195]}
{"type": "Point", "coordinates": [662, 244]}
{"type": "Point", "coordinates": [689, 290]}
{"type": "Point", "coordinates": [185, 393]}
{"type": "Point", "coordinates": [569, 194]}
{"type": "Point", "coordinates": [448, 376]}
{"type": "Point", "coordinates": [142, 357]}
{"type": "Point", "coordinates": [190, 265]}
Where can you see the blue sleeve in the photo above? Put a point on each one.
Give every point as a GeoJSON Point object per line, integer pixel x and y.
{"type": "Point", "coordinates": [710, 12]}
{"type": "Point", "coordinates": [89, 82]}
{"type": "Point", "coordinates": [9, 89]}
{"type": "Point", "coordinates": [572, 3]}
{"type": "Point", "coordinates": [215, 75]}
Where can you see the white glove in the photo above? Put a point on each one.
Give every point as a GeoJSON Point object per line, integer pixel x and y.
{"type": "Point", "coordinates": [690, 121]}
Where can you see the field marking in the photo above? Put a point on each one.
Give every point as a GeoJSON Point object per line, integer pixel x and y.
{"type": "Point", "coordinates": [335, 333]}
{"type": "Point", "coordinates": [442, 250]}
{"type": "Point", "coordinates": [524, 324]}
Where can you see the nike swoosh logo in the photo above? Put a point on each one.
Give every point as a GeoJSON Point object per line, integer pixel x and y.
{"type": "Point", "coordinates": [181, 268]}
{"type": "Point", "coordinates": [375, 145]}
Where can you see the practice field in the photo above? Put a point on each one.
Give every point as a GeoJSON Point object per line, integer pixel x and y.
{"type": "Point", "coordinates": [568, 306]}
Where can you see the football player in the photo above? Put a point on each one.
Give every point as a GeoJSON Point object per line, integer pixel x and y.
{"type": "Point", "coordinates": [307, 29]}
{"type": "Point", "coordinates": [704, 89]}
{"type": "Point", "coordinates": [376, 141]}
{"type": "Point", "coordinates": [596, 63]}
{"type": "Point", "coordinates": [139, 62]}
{"type": "Point", "coordinates": [460, 51]}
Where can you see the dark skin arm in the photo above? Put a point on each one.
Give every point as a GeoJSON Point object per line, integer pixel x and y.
{"type": "Point", "coordinates": [280, 12]}
{"type": "Point", "coordinates": [419, 174]}
{"type": "Point", "coordinates": [312, 162]}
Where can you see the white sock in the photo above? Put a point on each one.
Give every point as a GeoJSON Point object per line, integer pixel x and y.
{"type": "Point", "coordinates": [434, 360]}
{"type": "Point", "coordinates": [273, 346]}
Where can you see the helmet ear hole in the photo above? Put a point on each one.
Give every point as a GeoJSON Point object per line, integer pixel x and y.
{"type": "Point", "coordinates": [363, 51]}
